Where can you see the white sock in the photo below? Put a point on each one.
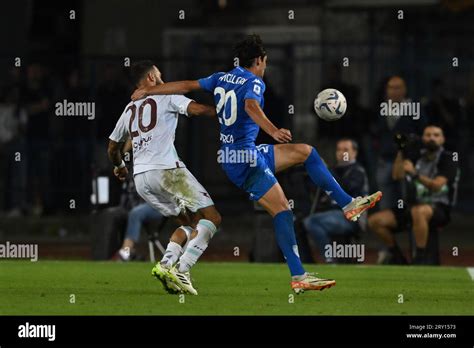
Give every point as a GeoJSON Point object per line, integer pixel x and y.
{"type": "Point", "coordinates": [172, 254]}
{"type": "Point", "coordinates": [348, 204]}
{"type": "Point", "coordinates": [205, 231]}
{"type": "Point", "coordinates": [299, 277]}
{"type": "Point", "coordinates": [174, 250]}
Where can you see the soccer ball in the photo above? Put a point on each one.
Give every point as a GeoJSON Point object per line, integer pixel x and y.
{"type": "Point", "coordinates": [330, 104]}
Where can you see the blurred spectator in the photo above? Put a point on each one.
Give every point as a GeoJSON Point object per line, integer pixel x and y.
{"type": "Point", "coordinates": [36, 98]}
{"type": "Point", "coordinates": [431, 185]}
{"type": "Point", "coordinates": [112, 95]}
{"type": "Point", "coordinates": [331, 223]}
{"type": "Point", "coordinates": [274, 107]}
{"type": "Point", "coordinates": [470, 109]}
{"type": "Point", "coordinates": [385, 127]}
{"type": "Point", "coordinates": [445, 112]}
{"type": "Point", "coordinates": [137, 217]}
{"type": "Point", "coordinates": [76, 142]}
{"type": "Point", "coordinates": [353, 124]}
{"type": "Point", "coordinates": [13, 172]}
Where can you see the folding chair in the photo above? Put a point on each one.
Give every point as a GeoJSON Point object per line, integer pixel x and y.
{"type": "Point", "coordinates": [153, 240]}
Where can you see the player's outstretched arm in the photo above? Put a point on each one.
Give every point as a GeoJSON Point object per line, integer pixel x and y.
{"type": "Point", "coordinates": [253, 109]}
{"type": "Point", "coordinates": [196, 109]}
{"type": "Point", "coordinates": [177, 87]}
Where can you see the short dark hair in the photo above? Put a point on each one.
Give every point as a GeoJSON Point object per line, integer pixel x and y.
{"type": "Point", "coordinates": [249, 49]}
{"type": "Point", "coordinates": [434, 125]}
{"type": "Point", "coordinates": [355, 145]}
{"type": "Point", "coordinates": [139, 70]}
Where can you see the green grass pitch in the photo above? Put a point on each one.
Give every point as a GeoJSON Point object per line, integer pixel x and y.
{"type": "Point", "coordinates": [106, 288]}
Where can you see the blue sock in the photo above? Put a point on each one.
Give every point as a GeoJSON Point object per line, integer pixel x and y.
{"type": "Point", "coordinates": [321, 176]}
{"type": "Point", "coordinates": [285, 236]}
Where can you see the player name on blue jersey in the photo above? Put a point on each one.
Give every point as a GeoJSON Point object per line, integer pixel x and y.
{"type": "Point", "coordinates": [231, 78]}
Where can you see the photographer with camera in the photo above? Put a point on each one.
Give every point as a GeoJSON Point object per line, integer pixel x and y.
{"type": "Point", "coordinates": [430, 175]}
{"type": "Point", "coordinates": [383, 149]}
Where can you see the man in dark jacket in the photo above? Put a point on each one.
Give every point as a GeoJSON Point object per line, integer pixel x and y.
{"type": "Point", "coordinates": [325, 225]}
{"type": "Point", "coordinates": [384, 129]}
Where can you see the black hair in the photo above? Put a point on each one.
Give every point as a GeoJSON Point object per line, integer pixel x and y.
{"type": "Point", "coordinates": [434, 125]}
{"type": "Point", "coordinates": [249, 49]}
{"type": "Point", "coordinates": [139, 70]}
{"type": "Point", "coordinates": [355, 145]}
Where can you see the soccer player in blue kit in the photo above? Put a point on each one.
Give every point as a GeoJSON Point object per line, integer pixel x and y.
{"type": "Point", "coordinates": [238, 95]}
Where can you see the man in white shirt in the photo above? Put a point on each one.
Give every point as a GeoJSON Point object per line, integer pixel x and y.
{"type": "Point", "coordinates": [162, 179]}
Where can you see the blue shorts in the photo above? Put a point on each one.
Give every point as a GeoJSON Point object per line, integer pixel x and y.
{"type": "Point", "coordinates": [256, 177]}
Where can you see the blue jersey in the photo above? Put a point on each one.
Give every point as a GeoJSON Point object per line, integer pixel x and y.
{"type": "Point", "coordinates": [230, 90]}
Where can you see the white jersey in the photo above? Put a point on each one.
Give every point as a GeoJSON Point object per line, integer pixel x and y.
{"type": "Point", "coordinates": [151, 124]}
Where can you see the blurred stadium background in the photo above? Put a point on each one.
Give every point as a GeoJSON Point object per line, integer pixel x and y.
{"type": "Point", "coordinates": [45, 196]}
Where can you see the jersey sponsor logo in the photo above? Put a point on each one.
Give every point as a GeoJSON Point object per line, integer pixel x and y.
{"type": "Point", "coordinates": [227, 138]}
{"type": "Point", "coordinates": [141, 144]}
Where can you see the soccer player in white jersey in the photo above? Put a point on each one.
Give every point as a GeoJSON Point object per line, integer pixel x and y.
{"type": "Point", "coordinates": [162, 179]}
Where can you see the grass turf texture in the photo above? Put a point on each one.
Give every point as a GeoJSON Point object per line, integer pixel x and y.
{"type": "Point", "coordinates": [106, 288]}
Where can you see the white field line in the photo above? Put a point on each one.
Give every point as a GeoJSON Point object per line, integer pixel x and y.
{"type": "Point", "coordinates": [470, 270]}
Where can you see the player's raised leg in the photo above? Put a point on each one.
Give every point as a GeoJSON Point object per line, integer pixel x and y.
{"type": "Point", "coordinates": [288, 155]}
{"type": "Point", "coordinates": [276, 204]}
